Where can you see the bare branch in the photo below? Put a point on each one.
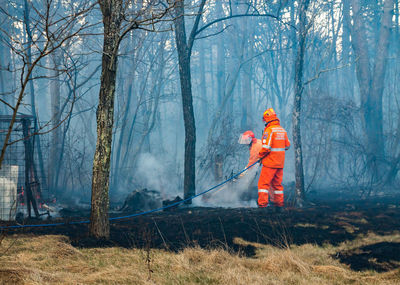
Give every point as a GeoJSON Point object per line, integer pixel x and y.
{"type": "Point", "coordinates": [193, 33]}
{"type": "Point", "coordinates": [325, 71]}
{"type": "Point", "coordinates": [8, 105]}
{"type": "Point", "coordinates": [242, 15]}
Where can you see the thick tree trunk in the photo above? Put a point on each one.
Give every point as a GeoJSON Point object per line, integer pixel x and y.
{"type": "Point", "coordinates": [363, 70]}
{"type": "Point", "coordinates": [298, 89]}
{"type": "Point", "coordinates": [375, 118]}
{"type": "Point", "coordinates": [187, 101]}
{"type": "Point", "coordinates": [112, 16]}
{"type": "Point", "coordinates": [360, 47]}
{"type": "Point", "coordinates": [371, 82]}
{"type": "Point", "coordinates": [348, 78]}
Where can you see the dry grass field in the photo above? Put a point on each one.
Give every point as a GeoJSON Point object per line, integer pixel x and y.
{"type": "Point", "coordinates": [335, 243]}
{"type": "Point", "coordinates": [51, 259]}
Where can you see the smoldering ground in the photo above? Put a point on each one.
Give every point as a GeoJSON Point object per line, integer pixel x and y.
{"type": "Point", "coordinates": [239, 192]}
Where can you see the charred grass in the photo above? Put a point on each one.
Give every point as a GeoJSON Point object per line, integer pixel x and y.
{"type": "Point", "coordinates": [51, 259]}
{"type": "Point", "coordinates": [321, 245]}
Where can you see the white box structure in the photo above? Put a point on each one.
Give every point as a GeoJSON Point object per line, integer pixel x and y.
{"type": "Point", "coordinates": [8, 192]}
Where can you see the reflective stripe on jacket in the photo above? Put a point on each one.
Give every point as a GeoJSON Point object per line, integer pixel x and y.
{"type": "Point", "coordinates": [274, 144]}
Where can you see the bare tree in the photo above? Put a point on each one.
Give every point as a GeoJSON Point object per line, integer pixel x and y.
{"type": "Point", "coordinates": [52, 31]}
{"type": "Point", "coordinates": [184, 47]}
{"type": "Point", "coordinates": [371, 80]}
{"type": "Point", "coordinates": [299, 87]}
{"type": "Point", "coordinates": [27, 25]}
{"type": "Point", "coordinates": [112, 11]}
{"type": "Point", "coordinates": [55, 98]}
{"type": "Point", "coordinates": [118, 21]}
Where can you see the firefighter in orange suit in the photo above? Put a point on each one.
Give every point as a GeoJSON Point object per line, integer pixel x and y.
{"type": "Point", "coordinates": [248, 138]}
{"type": "Point", "coordinates": [246, 184]}
{"type": "Point", "coordinates": [272, 154]}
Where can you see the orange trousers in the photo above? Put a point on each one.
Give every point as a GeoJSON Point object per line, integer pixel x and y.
{"type": "Point", "coordinates": [270, 181]}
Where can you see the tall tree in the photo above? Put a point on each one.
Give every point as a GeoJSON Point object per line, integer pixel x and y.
{"type": "Point", "coordinates": [371, 78]}
{"type": "Point", "coordinates": [37, 143]}
{"type": "Point", "coordinates": [184, 47]}
{"type": "Point", "coordinates": [246, 85]}
{"type": "Point", "coordinates": [220, 54]}
{"type": "Point", "coordinates": [112, 11]}
{"type": "Point", "coordinates": [6, 88]}
{"type": "Point", "coordinates": [202, 87]}
{"type": "Point", "coordinates": [298, 91]}
{"type": "Point", "coordinates": [55, 96]}
{"type": "Point", "coordinates": [46, 41]}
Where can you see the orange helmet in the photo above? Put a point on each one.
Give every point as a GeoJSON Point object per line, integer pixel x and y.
{"type": "Point", "coordinates": [269, 115]}
{"type": "Point", "coordinates": [246, 138]}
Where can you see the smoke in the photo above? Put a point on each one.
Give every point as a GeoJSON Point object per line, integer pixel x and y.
{"type": "Point", "coordinates": [241, 192]}
{"type": "Point", "coordinates": [156, 173]}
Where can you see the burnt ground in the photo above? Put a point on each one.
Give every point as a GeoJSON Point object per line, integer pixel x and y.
{"type": "Point", "coordinates": [332, 222]}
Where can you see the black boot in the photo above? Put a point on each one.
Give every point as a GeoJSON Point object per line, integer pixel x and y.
{"type": "Point", "coordinates": [267, 209]}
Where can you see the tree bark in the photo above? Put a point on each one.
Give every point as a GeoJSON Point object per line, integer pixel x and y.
{"type": "Point", "coordinates": [184, 48]}
{"type": "Point", "coordinates": [298, 89]}
{"type": "Point", "coordinates": [371, 81]}
{"type": "Point", "coordinates": [189, 186]}
{"type": "Point", "coordinates": [375, 118]}
{"type": "Point", "coordinates": [112, 17]}
{"type": "Point", "coordinates": [348, 79]}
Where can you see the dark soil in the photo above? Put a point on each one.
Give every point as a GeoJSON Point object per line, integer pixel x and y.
{"type": "Point", "coordinates": [382, 256]}
{"type": "Point", "coordinates": [327, 222]}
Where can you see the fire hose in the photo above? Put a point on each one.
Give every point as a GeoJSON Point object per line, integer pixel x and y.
{"type": "Point", "coordinates": [137, 214]}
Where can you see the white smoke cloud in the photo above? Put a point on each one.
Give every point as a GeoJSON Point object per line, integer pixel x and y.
{"type": "Point", "coordinates": [241, 192]}
{"type": "Point", "coordinates": [154, 173]}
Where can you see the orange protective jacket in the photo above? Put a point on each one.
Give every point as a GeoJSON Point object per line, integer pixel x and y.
{"type": "Point", "coordinates": [274, 144]}
{"type": "Point", "coordinates": [254, 149]}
